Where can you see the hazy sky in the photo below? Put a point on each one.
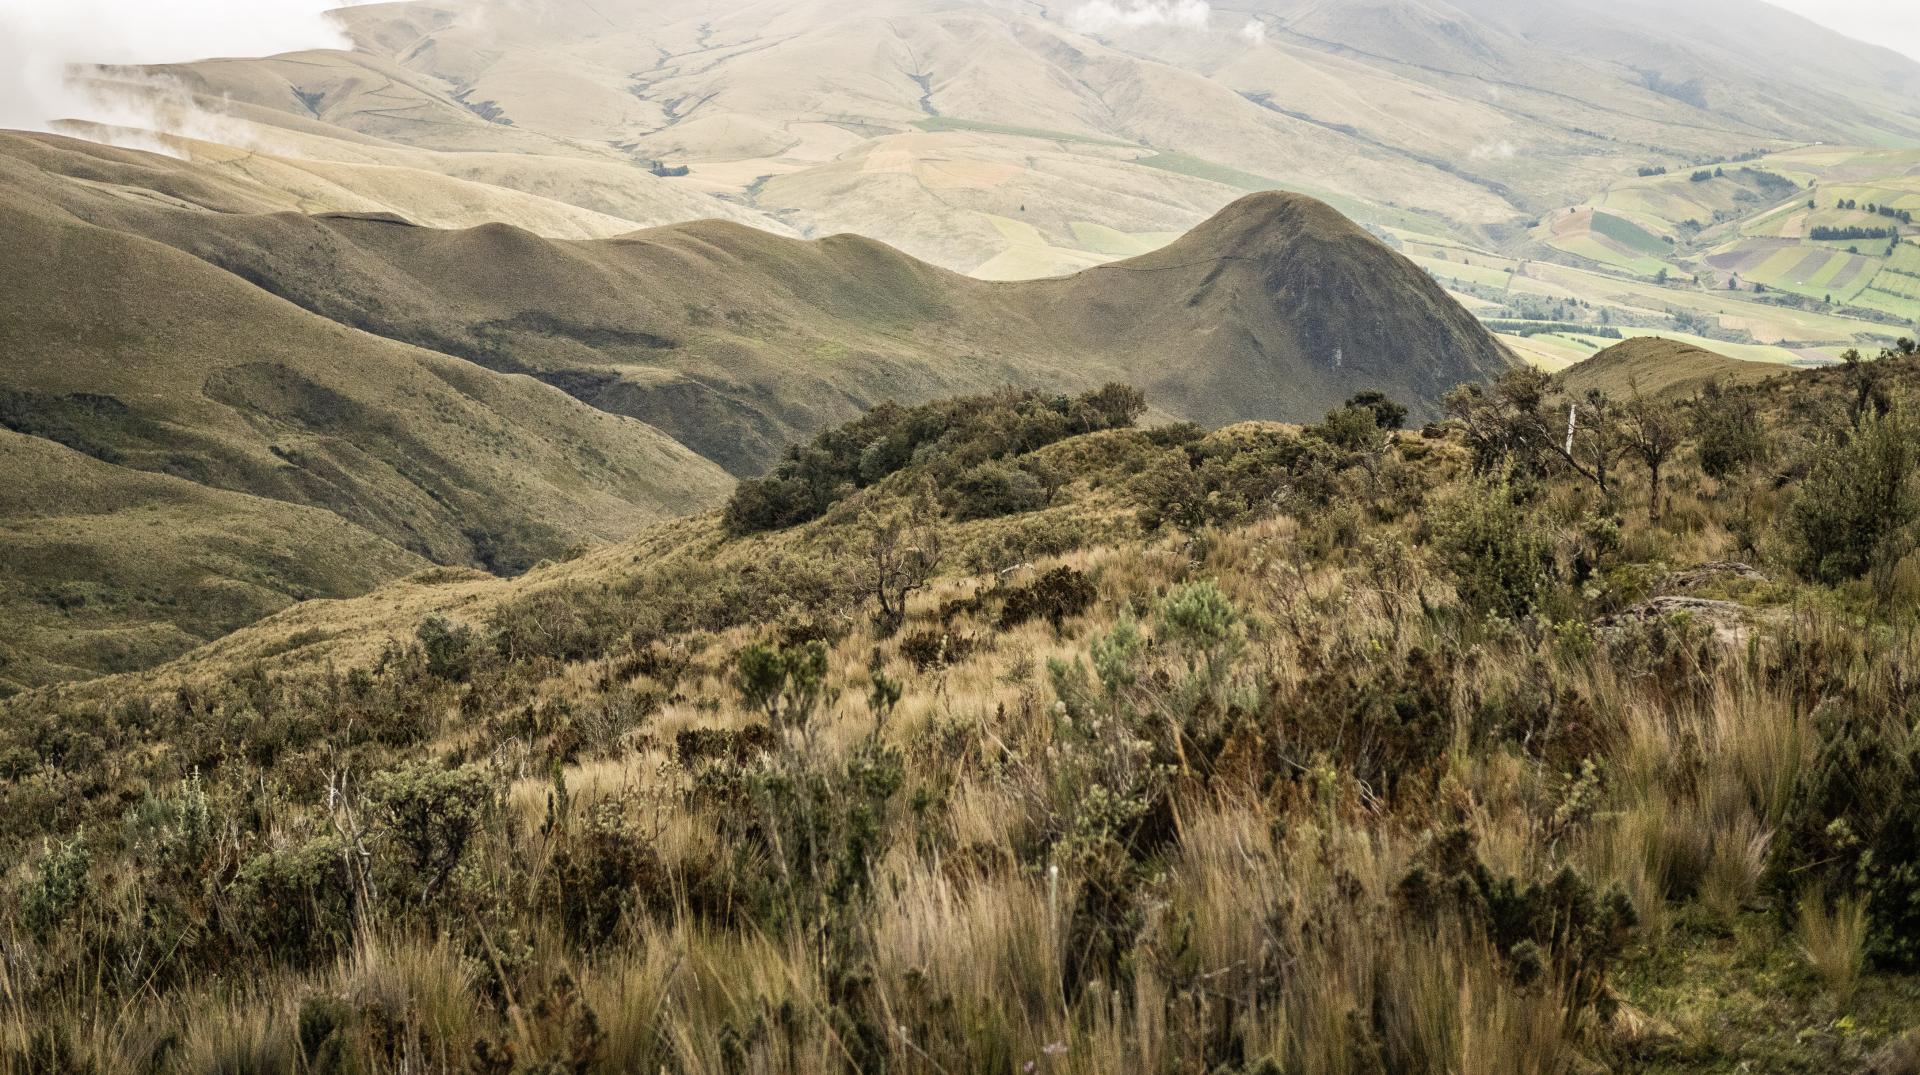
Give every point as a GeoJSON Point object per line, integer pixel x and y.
{"type": "Point", "coordinates": [1893, 23]}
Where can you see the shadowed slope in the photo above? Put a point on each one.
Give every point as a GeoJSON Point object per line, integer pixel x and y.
{"type": "Point", "coordinates": [1278, 307]}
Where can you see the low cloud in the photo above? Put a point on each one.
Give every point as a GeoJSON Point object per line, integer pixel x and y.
{"type": "Point", "coordinates": [1254, 32]}
{"type": "Point", "coordinates": [48, 52]}
{"type": "Point", "coordinates": [1501, 150]}
{"type": "Point", "coordinates": [1106, 16]}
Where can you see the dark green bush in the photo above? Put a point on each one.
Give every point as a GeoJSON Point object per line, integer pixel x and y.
{"type": "Point", "coordinates": [1729, 437]}
{"type": "Point", "coordinates": [1386, 413]}
{"type": "Point", "coordinates": [603, 868]}
{"type": "Point", "coordinates": [1501, 559]}
{"type": "Point", "coordinates": [952, 438]}
{"type": "Point", "coordinates": [693, 746]}
{"type": "Point", "coordinates": [991, 490]}
{"type": "Point", "coordinates": [1857, 508]}
{"type": "Point", "coordinates": [1560, 926]}
{"type": "Point", "coordinates": [298, 903]}
{"type": "Point", "coordinates": [1853, 826]}
{"type": "Point", "coordinates": [1238, 475]}
{"type": "Point", "coordinates": [1055, 596]}
{"type": "Point", "coordinates": [935, 649]}
{"type": "Point", "coordinates": [450, 648]}
{"type": "Point", "coordinates": [1351, 429]}
{"type": "Point", "coordinates": [1390, 725]}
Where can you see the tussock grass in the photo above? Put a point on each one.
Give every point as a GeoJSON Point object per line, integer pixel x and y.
{"type": "Point", "coordinates": [1833, 940]}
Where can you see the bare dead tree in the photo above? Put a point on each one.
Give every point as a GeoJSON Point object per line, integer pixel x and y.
{"type": "Point", "coordinates": [1653, 431]}
{"type": "Point", "coordinates": [902, 555]}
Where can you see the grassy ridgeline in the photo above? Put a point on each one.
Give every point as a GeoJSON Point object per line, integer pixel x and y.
{"type": "Point", "coordinates": [1261, 750]}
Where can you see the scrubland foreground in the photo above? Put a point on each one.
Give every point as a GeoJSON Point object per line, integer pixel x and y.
{"type": "Point", "coordinates": [999, 735]}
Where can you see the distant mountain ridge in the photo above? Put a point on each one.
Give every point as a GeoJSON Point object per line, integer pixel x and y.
{"type": "Point", "coordinates": [1012, 140]}
{"type": "Point", "coordinates": [737, 342]}
{"type": "Point", "coordinates": [489, 397]}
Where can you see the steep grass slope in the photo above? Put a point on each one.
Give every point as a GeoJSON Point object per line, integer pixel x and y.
{"type": "Point", "coordinates": [107, 568]}
{"type": "Point", "coordinates": [133, 353]}
{"type": "Point", "coordinates": [291, 453]}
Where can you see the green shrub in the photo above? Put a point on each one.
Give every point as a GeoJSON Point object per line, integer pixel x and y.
{"type": "Point", "coordinates": [1856, 509]}
{"type": "Point", "coordinates": [1853, 827]}
{"type": "Point", "coordinates": [1202, 621]}
{"type": "Point", "coordinates": [572, 624]}
{"type": "Point", "coordinates": [57, 886]}
{"type": "Point", "coordinates": [429, 814]}
{"type": "Point", "coordinates": [1500, 558]}
{"type": "Point", "coordinates": [1386, 413]}
{"type": "Point", "coordinates": [1238, 475]}
{"type": "Point", "coordinates": [450, 648]}
{"type": "Point", "coordinates": [806, 834]}
{"type": "Point", "coordinates": [603, 868]}
{"type": "Point", "coordinates": [1109, 785]}
{"type": "Point", "coordinates": [784, 682]}
{"type": "Point", "coordinates": [991, 490]}
{"type": "Point", "coordinates": [693, 746]}
{"type": "Point", "coordinates": [1561, 926]}
{"type": "Point", "coordinates": [1388, 725]}
{"type": "Point", "coordinates": [297, 903]}
{"type": "Point", "coordinates": [935, 649]}
{"type": "Point", "coordinates": [953, 440]}
{"type": "Point", "coordinates": [1729, 436]}
{"type": "Point", "coordinates": [1351, 429]}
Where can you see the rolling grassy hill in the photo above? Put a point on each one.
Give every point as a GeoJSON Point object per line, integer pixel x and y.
{"type": "Point", "coordinates": [261, 453]}
{"type": "Point", "coordinates": [489, 397]}
{"type": "Point", "coordinates": [1658, 368]}
{"type": "Point", "coordinates": [738, 342]}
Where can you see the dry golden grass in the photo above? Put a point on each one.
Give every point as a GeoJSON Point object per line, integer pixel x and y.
{"type": "Point", "coordinates": [1833, 940]}
{"type": "Point", "coordinates": [1286, 896]}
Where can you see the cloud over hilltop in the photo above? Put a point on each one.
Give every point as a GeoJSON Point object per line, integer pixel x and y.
{"type": "Point", "coordinates": [1105, 16]}
{"type": "Point", "coordinates": [42, 43]}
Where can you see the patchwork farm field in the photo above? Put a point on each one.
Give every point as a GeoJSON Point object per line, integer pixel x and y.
{"type": "Point", "coordinates": [1610, 241]}
{"type": "Point", "coordinates": [1790, 256]}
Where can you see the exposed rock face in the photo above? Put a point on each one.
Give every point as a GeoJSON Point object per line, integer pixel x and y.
{"type": "Point", "coordinates": [1716, 572]}
{"type": "Point", "coordinates": [1731, 623]}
